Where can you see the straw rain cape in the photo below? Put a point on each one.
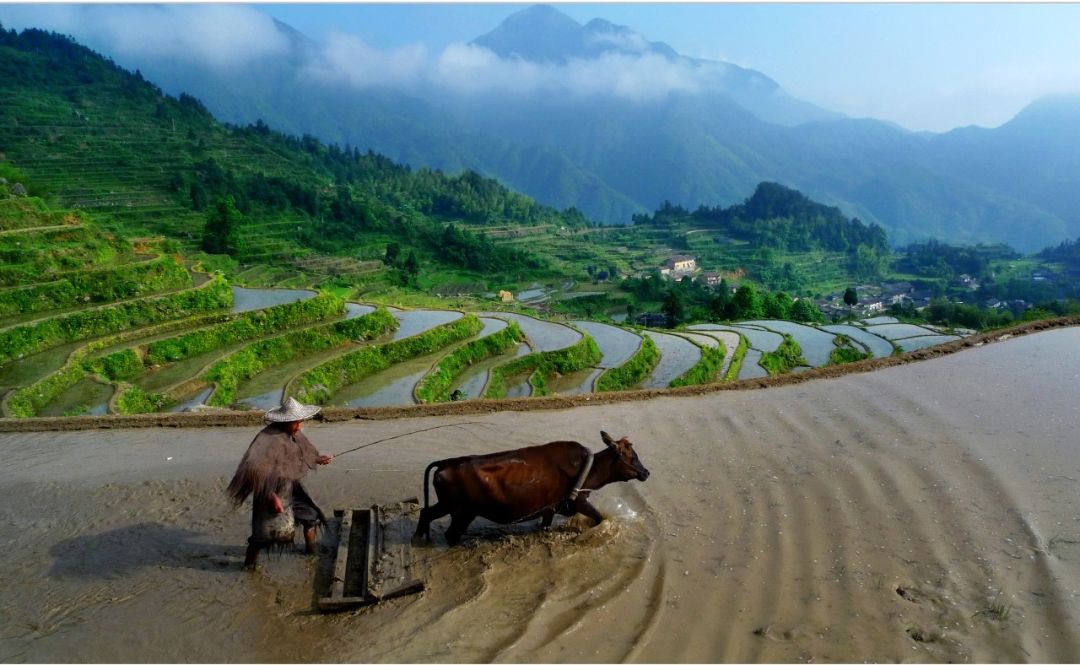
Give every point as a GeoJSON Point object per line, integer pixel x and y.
{"type": "Point", "coordinates": [273, 462]}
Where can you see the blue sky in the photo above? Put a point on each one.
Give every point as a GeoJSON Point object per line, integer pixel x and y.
{"type": "Point", "coordinates": [924, 66]}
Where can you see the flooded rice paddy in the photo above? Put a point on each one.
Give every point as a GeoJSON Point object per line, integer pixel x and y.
{"type": "Point", "coordinates": [879, 346]}
{"type": "Point", "coordinates": [245, 300]}
{"type": "Point", "coordinates": [816, 344]}
{"type": "Point", "coordinates": [616, 344]}
{"type": "Point", "coordinates": [395, 387]}
{"type": "Point", "coordinates": [677, 356]}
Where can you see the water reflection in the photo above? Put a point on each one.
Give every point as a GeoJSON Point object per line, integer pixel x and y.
{"type": "Point", "coordinates": [245, 300]}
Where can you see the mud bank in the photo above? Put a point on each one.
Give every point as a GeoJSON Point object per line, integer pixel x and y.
{"type": "Point", "coordinates": [923, 512]}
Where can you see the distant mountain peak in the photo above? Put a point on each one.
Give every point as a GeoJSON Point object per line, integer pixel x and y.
{"type": "Point", "coordinates": [542, 33]}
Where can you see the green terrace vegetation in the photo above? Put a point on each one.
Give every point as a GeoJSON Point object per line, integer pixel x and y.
{"type": "Point", "coordinates": [707, 369]}
{"type": "Point", "coordinates": [228, 373]}
{"type": "Point", "coordinates": [785, 358]}
{"type": "Point", "coordinates": [633, 371]}
{"type": "Point", "coordinates": [435, 386]}
{"type": "Point", "coordinates": [20, 340]}
{"type": "Point", "coordinates": [319, 384]}
{"type": "Point", "coordinates": [541, 366]}
{"type": "Point", "coordinates": [129, 363]}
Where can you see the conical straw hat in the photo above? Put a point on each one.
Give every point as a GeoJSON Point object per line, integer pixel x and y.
{"type": "Point", "coordinates": [290, 411]}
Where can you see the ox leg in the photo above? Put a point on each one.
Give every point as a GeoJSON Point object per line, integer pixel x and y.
{"type": "Point", "coordinates": [427, 516]}
{"type": "Point", "coordinates": [547, 518]}
{"type": "Point", "coordinates": [458, 523]}
{"type": "Point", "coordinates": [587, 509]}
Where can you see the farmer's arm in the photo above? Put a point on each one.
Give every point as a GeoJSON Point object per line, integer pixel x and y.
{"type": "Point", "coordinates": [276, 502]}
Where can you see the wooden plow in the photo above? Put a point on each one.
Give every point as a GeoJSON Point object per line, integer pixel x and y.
{"type": "Point", "coordinates": [373, 556]}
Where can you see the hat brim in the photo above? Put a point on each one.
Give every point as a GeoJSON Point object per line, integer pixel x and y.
{"type": "Point", "coordinates": [303, 412]}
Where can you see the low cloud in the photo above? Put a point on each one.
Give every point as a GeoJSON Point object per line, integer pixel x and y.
{"type": "Point", "coordinates": [231, 36]}
{"type": "Point", "coordinates": [212, 35]}
{"type": "Point", "coordinates": [470, 69]}
{"type": "Point", "coordinates": [349, 60]}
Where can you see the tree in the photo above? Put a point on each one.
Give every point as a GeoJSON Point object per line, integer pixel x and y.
{"type": "Point", "coordinates": [746, 304]}
{"type": "Point", "coordinates": [851, 297]}
{"type": "Point", "coordinates": [805, 310]}
{"type": "Point", "coordinates": [412, 265]}
{"type": "Point", "coordinates": [393, 250]}
{"type": "Point", "coordinates": [221, 234]}
{"type": "Point", "coordinates": [674, 307]}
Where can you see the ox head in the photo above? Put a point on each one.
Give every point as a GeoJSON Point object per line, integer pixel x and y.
{"type": "Point", "coordinates": [628, 465]}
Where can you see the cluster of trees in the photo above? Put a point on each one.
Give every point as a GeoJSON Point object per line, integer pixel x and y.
{"type": "Point", "coordinates": [782, 218]}
{"type": "Point", "coordinates": [937, 259]}
{"type": "Point", "coordinates": [468, 249]}
{"type": "Point", "coordinates": [691, 300]}
{"type": "Point", "coordinates": [1068, 252]}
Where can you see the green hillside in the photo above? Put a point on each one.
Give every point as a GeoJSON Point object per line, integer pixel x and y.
{"type": "Point", "coordinates": [87, 135]}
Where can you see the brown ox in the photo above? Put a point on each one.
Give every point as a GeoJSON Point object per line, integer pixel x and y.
{"type": "Point", "coordinates": [526, 483]}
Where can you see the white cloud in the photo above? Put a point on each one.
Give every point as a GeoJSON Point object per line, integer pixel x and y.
{"type": "Point", "coordinates": [630, 42]}
{"type": "Point", "coordinates": [229, 36]}
{"type": "Point", "coordinates": [215, 35]}
{"type": "Point", "coordinates": [347, 59]}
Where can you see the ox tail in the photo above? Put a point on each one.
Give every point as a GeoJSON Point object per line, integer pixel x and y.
{"type": "Point", "coordinates": [427, 485]}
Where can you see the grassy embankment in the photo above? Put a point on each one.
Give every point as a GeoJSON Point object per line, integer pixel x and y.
{"type": "Point", "coordinates": [435, 386]}
{"type": "Point", "coordinates": [633, 371]}
{"type": "Point", "coordinates": [785, 358]}
{"type": "Point", "coordinates": [542, 365]}
{"type": "Point", "coordinates": [848, 351]}
{"type": "Point", "coordinates": [318, 385]}
{"type": "Point", "coordinates": [706, 369]}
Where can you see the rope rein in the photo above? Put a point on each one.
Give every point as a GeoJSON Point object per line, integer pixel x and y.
{"type": "Point", "coordinates": [398, 436]}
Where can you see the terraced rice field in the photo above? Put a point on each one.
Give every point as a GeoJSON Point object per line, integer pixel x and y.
{"type": "Point", "coordinates": [112, 366]}
{"type": "Point", "coordinates": [816, 343]}
{"type": "Point", "coordinates": [677, 356]}
{"type": "Point", "coordinates": [878, 346]}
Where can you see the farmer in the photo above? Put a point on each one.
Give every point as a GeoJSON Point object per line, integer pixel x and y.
{"type": "Point", "coordinates": [270, 473]}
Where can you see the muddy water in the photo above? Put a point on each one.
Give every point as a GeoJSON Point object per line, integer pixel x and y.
{"type": "Point", "coordinates": [924, 512]}
{"type": "Point", "coordinates": [544, 335]}
{"type": "Point", "coordinates": [415, 321]}
{"type": "Point", "coordinates": [923, 341]}
{"type": "Point", "coordinates": [895, 331]}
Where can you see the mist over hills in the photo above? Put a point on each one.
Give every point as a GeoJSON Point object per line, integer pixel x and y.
{"type": "Point", "coordinates": [598, 117]}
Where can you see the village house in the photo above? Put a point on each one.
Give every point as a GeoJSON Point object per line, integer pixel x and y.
{"type": "Point", "coordinates": [679, 266]}
{"type": "Point", "coordinates": [712, 278]}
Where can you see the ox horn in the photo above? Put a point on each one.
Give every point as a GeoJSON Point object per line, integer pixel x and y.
{"type": "Point", "coordinates": [607, 439]}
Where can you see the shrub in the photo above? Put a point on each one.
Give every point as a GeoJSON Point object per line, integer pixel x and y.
{"type": "Point", "coordinates": [133, 399]}
{"type": "Point", "coordinates": [785, 358]}
{"type": "Point", "coordinates": [99, 286]}
{"type": "Point", "coordinates": [737, 360]}
{"type": "Point", "coordinates": [247, 325]}
{"type": "Point", "coordinates": [577, 356]}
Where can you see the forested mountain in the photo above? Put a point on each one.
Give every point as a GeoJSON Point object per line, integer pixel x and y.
{"type": "Point", "coordinates": [93, 136]}
{"type": "Point", "coordinates": [708, 143]}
